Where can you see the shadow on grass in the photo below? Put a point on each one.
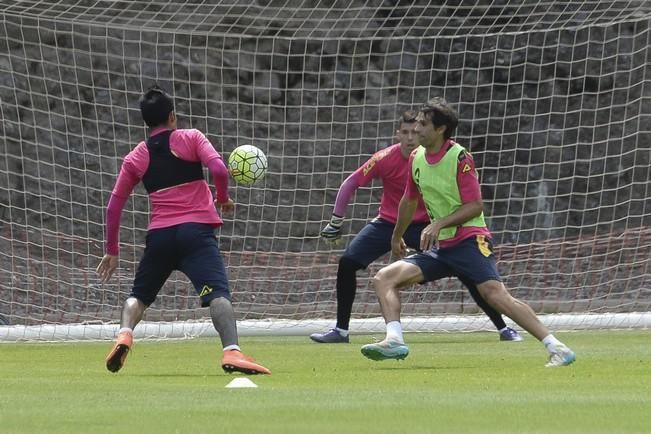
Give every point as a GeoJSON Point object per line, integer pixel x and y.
{"type": "Point", "coordinates": [424, 367]}
{"type": "Point", "coordinates": [181, 375]}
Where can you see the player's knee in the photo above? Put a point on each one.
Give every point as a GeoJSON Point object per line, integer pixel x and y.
{"type": "Point", "coordinates": [135, 303]}
{"type": "Point", "coordinates": [493, 292]}
{"type": "Point", "coordinates": [383, 279]}
{"type": "Point", "coordinates": [377, 283]}
{"type": "Point", "coordinates": [218, 296]}
{"type": "Point", "coordinates": [348, 265]}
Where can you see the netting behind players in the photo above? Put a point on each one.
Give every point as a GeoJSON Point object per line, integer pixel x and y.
{"type": "Point", "coordinates": [554, 100]}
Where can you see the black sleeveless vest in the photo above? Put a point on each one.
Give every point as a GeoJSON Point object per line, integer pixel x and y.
{"type": "Point", "coordinates": [165, 170]}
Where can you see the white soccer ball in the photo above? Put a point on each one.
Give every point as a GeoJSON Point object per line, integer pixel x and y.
{"type": "Point", "coordinates": [247, 164]}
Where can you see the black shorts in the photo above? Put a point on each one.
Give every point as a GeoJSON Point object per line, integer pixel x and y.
{"type": "Point", "coordinates": [374, 240]}
{"type": "Point", "coordinates": [190, 248]}
{"type": "Point", "coordinates": [472, 260]}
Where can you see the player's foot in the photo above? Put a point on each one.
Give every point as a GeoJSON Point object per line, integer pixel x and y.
{"type": "Point", "coordinates": [510, 335]}
{"type": "Point", "coordinates": [116, 358]}
{"type": "Point", "coordinates": [385, 350]}
{"type": "Point", "coordinates": [235, 361]}
{"type": "Point", "coordinates": [332, 336]}
{"type": "Point", "coordinates": [561, 356]}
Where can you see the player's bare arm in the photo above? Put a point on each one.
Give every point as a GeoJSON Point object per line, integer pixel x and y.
{"type": "Point", "coordinates": [225, 207]}
{"type": "Point", "coordinates": [406, 210]}
{"type": "Point", "coordinates": [107, 267]}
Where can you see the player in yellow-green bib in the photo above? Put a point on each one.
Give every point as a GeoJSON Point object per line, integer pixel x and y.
{"type": "Point", "coordinates": [457, 242]}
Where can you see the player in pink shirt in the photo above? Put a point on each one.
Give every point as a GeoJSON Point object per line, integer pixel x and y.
{"type": "Point", "coordinates": [391, 165]}
{"type": "Point", "coordinates": [180, 234]}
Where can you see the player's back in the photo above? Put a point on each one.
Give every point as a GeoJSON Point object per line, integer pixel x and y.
{"type": "Point", "coordinates": [170, 168]}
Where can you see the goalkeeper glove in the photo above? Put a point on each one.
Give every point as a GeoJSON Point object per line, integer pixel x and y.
{"type": "Point", "coordinates": [332, 231]}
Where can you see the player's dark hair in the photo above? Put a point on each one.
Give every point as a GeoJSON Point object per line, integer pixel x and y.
{"type": "Point", "coordinates": [156, 106]}
{"type": "Point", "coordinates": [441, 113]}
{"type": "Point", "coordinates": [408, 117]}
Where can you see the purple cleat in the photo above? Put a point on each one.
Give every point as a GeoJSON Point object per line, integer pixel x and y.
{"type": "Point", "coordinates": [510, 335]}
{"type": "Point", "coordinates": [332, 336]}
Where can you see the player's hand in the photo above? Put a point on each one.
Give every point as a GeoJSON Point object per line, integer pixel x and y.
{"type": "Point", "coordinates": [430, 237]}
{"type": "Point", "coordinates": [107, 267]}
{"type": "Point", "coordinates": [332, 231]}
{"type": "Point", "coordinates": [398, 248]}
{"type": "Point", "coordinates": [225, 207]}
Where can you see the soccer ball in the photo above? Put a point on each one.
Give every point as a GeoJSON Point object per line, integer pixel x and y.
{"type": "Point", "coordinates": [247, 164]}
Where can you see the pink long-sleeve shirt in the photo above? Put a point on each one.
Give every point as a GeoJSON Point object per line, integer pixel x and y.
{"type": "Point", "coordinates": [469, 190]}
{"type": "Point", "coordinates": [394, 170]}
{"type": "Point", "coordinates": [189, 202]}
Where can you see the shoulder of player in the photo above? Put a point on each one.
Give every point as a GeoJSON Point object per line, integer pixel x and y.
{"type": "Point", "coordinates": [377, 158]}
{"type": "Point", "coordinates": [389, 150]}
{"type": "Point", "coordinates": [139, 150]}
{"type": "Point", "coordinates": [137, 157]}
{"type": "Point", "coordinates": [465, 161]}
{"type": "Point", "coordinates": [463, 153]}
{"type": "Point", "coordinates": [188, 134]}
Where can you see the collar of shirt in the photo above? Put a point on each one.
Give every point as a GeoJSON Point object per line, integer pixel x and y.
{"type": "Point", "coordinates": [158, 130]}
{"type": "Point", "coordinates": [435, 158]}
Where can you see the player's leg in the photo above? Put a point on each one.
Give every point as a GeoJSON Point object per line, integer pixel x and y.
{"type": "Point", "coordinates": [154, 268]}
{"type": "Point", "coordinates": [202, 262]}
{"type": "Point", "coordinates": [389, 281]}
{"type": "Point", "coordinates": [412, 239]}
{"type": "Point", "coordinates": [373, 241]}
{"type": "Point", "coordinates": [520, 312]}
{"type": "Point", "coordinates": [222, 315]}
{"type": "Point", "coordinates": [496, 293]}
{"type": "Point", "coordinates": [506, 333]}
{"type": "Point", "coordinates": [418, 268]}
{"type": "Point", "coordinates": [475, 261]}
{"type": "Point", "coordinates": [132, 312]}
{"type": "Point", "coordinates": [346, 288]}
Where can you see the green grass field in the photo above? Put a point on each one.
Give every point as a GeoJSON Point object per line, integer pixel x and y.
{"type": "Point", "coordinates": [450, 383]}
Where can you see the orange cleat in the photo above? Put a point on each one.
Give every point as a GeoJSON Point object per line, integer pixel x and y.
{"type": "Point", "coordinates": [235, 361]}
{"type": "Point", "coordinates": [117, 356]}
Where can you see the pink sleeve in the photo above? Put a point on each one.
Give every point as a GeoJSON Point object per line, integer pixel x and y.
{"type": "Point", "coordinates": [411, 189]}
{"type": "Point", "coordinates": [346, 191]}
{"type": "Point", "coordinates": [210, 158]}
{"type": "Point", "coordinates": [359, 178]}
{"type": "Point", "coordinates": [124, 185]}
{"type": "Point", "coordinates": [203, 149]}
{"type": "Point", "coordinates": [219, 174]}
{"type": "Point", "coordinates": [372, 168]}
{"type": "Point", "coordinates": [198, 147]}
{"type": "Point", "coordinates": [130, 174]}
{"type": "Point", "coordinates": [468, 180]}
{"type": "Point", "coordinates": [113, 216]}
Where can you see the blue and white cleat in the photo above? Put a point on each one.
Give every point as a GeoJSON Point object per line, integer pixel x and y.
{"type": "Point", "coordinates": [561, 356]}
{"type": "Point", "coordinates": [332, 336]}
{"type": "Point", "coordinates": [510, 335]}
{"type": "Point", "coordinates": [385, 350]}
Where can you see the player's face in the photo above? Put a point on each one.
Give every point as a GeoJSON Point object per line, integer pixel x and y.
{"type": "Point", "coordinates": [407, 138]}
{"type": "Point", "coordinates": [424, 129]}
{"type": "Point", "coordinates": [428, 135]}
